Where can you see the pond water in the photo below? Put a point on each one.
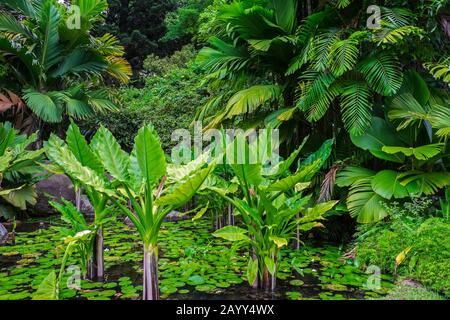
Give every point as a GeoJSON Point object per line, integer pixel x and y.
{"type": "Point", "coordinates": [192, 265]}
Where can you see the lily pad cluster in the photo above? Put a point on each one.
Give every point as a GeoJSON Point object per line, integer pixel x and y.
{"type": "Point", "coordinates": [193, 264]}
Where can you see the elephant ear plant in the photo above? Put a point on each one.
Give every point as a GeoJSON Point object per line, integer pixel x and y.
{"type": "Point", "coordinates": [273, 206]}
{"type": "Point", "coordinates": [79, 160]}
{"type": "Point", "coordinates": [141, 178]}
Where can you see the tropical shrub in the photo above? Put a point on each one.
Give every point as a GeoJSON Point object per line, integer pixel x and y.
{"type": "Point", "coordinates": [168, 101]}
{"type": "Point", "coordinates": [416, 248]}
{"type": "Point", "coordinates": [82, 164]}
{"type": "Point", "coordinates": [274, 205]}
{"type": "Point", "coordinates": [19, 170]}
{"type": "Point", "coordinates": [56, 63]}
{"type": "Point", "coordinates": [413, 135]}
{"type": "Point", "coordinates": [289, 63]}
{"type": "Point", "coordinates": [141, 178]}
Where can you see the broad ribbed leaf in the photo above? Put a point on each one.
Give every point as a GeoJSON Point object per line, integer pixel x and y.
{"type": "Point", "coordinates": [115, 160]}
{"type": "Point", "coordinates": [50, 50]}
{"type": "Point", "coordinates": [252, 271]}
{"type": "Point", "coordinates": [285, 14]}
{"type": "Point", "coordinates": [148, 155]}
{"type": "Point", "coordinates": [316, 212]}
{"type": "Point", "coordinates": [48, 289]}
{"type": "Point", "coordinates": [19, 197]}
{"type": "Point", "coordinates": [380, 134]}
{"type": "Point", "coordinates": [420, 153]}
{"type": "Point", "coordinates": [270, 264]}
{"type": "Point", "coordinates": [428, 183]}
{"type": "Point", "coordinates": [231, 233]}
{"type": "Point", "coordinates": [301, 175]}
{"type": "Point", "coordinates": [60, 154]}
{"type": "Point", "coordinates": [349, 175]}
{"type": "Point", "coordinates": [80, 149]}
{"type": "Point", "coordinates": [43, 106]}
{"type": "Point", "coordinates": [248, 174]}
{"type": "Point", "coordinates": [183, 193]}
{"type": "Point", "coordinates": [364, 203]}
{"type": "Point", "coordinates": [386, 183]}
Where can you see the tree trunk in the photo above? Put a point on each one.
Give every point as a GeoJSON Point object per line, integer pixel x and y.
{"type": "Point", "coordinates": [151, 287]}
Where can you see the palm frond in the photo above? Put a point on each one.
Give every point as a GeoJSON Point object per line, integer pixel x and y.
{"type": "Point", "coordinates": [343, 56]}
{"type": "Point", "coordinates": [50, 50]}
{"type": "Point", "coordinates": [47, 106]}
{"type": "Point", "coordinates": [316, 94]}
{"type": "Point", "coordinates": [356, 103]}
{"type": "Point", "coordinates": [119, 68]}
{"type": "Point", "coordinates": [383, 73]}
{"type": "Point", "coordinates": [440, 70]}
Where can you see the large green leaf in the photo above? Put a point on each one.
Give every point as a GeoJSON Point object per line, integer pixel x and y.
{"type": "Point", "coordinates": [420, 153]}
{"type": "Point", "coordinates": [386, 183]}
{"type": "Point", "coordinates": [316, 212]}
{"type": "Point", "coordinates": [183, 193]}
{"type": "Point", "coordinates": [115, 160]}
{"type": "Point", "coordinates": [380, 134]}
{"type": "Point", "coordinates": [19, 197]}
{"type": "Point", "coordinates": [148, 162]}
{"type": "Point", "coordinates": [365, 204]}
{"type": "Point", "coordinates": [80, 149]}
{"type": "Point", "coordinates": [252, 271]}
{"type": "Point", "coordinates": [407, 109]}
{"type": "Point", "coordinates": [302, 175]}
{"type": "Point", "coordinates": [60, 154]}
{"type": "Point", "coordinates": [45, 106]}
{"type": "Point", "coordinates": [349, 175]}
{"type": "Point", "coordinates": [270, 265]}
{"type": "Point", "coordinates": [48, 289]}
{"type": "Point", "coordinates": [285, 14]}
{"type": "Point", "coordinates": [50, 50]}
{"type": "Point", "coordinates": [248, 174]}
{"type": "Point", "coordinates": [232, 233]}
{"type": "Point", "coordinates": [428, 183]}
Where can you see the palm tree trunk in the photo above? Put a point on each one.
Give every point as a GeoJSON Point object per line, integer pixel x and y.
{"type": "Point", "coordinates": [151, 287]}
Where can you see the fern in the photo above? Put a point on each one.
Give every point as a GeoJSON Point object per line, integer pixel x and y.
{"type": "Point", "coordinates": [341, 4]}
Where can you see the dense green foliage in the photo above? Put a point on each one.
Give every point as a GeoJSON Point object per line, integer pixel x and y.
{"type": "Point", "coordinates": [18, 171]}
{"type": "Point", "coordinates": [425, 241]}
{"type": "Point", "coordinates": [139, 24]}
{"type": "Point", "coordinates": [359, 94]}
{"type": "Point", "coordinates": [173, 88]}
{"type": "Point", "coordinates": [54, 61]}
